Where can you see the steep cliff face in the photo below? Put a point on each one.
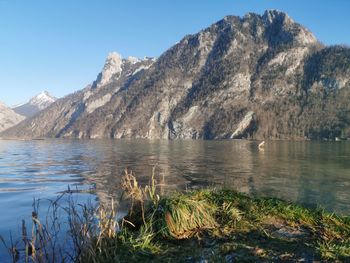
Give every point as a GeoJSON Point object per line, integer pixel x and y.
{"type": "Point", "coordinates": [251, 77]}
{"type": "Point", "coordinates": [63, 117]}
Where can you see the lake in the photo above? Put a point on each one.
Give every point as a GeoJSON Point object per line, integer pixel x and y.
{"type": "Point", "coordinates": [309, 173]}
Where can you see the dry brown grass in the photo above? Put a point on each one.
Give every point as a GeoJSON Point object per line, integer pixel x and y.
{"type": "Point", "coordinates": [232, 222]}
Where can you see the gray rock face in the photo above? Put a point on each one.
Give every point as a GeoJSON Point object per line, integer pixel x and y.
{"type": "Point", "coordinates": [251, 77]}
{"type": "Point", "coordinates": [62, 117]}
{"type": "Point", "coordinates": [8, 117]}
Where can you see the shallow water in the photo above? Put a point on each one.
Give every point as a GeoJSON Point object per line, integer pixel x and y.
{"type": "Point", "coordinates": [309, 173]}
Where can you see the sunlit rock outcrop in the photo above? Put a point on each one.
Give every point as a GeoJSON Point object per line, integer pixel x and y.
{"type": "Point", "coordinates": [257, 76]}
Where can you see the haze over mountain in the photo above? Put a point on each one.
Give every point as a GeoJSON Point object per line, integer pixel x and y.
{"type": "Point", "coordinates": [35, 104]}
{"type": "Point", "coordinates": [8, 117]}
{"type": "Point", "coordinates": [257, 76]}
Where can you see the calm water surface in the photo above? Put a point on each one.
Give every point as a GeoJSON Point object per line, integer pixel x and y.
{"type": "Point", "coordinates": [310, 173]}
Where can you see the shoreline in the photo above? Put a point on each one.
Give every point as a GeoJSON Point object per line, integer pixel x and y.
{"type": "Point", "coordinates": [206, 225]}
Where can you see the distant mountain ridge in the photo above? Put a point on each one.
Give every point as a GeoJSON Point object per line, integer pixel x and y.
{"type": "Point", "coordinates": [8, 117]}
{"type": "Point", "coordinates": [257, 76]}
{"type": "Point", "coordinates": [35, 104]}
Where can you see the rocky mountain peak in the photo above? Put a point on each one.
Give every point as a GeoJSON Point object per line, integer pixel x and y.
{"type": "Point", "coordinates": [283, 29]}
{"type": "Point", "coordinates": [133, 60]}
{"type": "Point", "coordinates": [42, 100]}
{"type": "Point", "coordinates": [116, 66]}
{"type": "Point", "coordinates": [277, 27]}
{"type": "Point", "coordinates": [257, 76]}
{"type": "Point", "coordinates": [112, 66]}
{"type": "Point", "coordinates": [35, 104]}
{"type": "Point", "coordinates": [271, 16]}
{"type": "Point", "coordinates": [113, 58]}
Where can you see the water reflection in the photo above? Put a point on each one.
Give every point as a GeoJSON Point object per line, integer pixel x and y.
{"type": "Point", "coordinates": [310, 173]}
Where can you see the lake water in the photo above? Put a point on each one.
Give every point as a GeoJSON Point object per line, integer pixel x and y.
{"type": "Point", "coordinates": [309, 173]}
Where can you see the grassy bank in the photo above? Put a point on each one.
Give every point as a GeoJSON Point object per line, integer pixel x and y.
{"type": "Point", "coordinates": [216, 225]}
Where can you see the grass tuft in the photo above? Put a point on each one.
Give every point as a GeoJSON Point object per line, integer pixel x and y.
{"type": "Point", "coordinates": [217, 225]}
{"type": "Point", "coordinates": [184, 216]}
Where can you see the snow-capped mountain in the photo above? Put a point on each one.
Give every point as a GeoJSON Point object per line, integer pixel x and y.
{"type": "Point", "coordinates": [258, 76]}
{"type": "Point", "coordinates": [8, 117]}
{"type": "Point", "coordinates": [35, 104]}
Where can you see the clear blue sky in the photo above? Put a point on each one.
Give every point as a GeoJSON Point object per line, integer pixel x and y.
{"type": "Point", "coordinates": [60, 46]}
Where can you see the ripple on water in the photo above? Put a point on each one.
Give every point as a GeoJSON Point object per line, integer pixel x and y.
{"type": "Point", "coordinates": [311, 173]}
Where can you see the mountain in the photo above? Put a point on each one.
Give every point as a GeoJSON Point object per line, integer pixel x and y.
{"type": "Point", "coordinates": [257, 76]}
{"type": "Point", "coordinates": [35, 104]}
{"type": "Point", "coordinates": [61, 116]}
{"type": "Point", "coordinates": [8, 117]}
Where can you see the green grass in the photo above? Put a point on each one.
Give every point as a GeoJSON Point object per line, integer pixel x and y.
{"type": "Point", "coordinates": [219, 225]}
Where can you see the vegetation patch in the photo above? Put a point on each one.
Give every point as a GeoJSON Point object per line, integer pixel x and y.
{"type": "Point", "coordinates": [216, 225]}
